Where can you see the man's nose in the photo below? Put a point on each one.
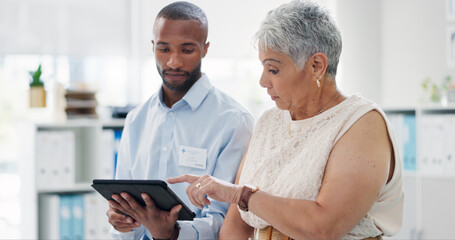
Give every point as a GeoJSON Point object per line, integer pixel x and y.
{"type": "Point", "coordinates": [175, 61]}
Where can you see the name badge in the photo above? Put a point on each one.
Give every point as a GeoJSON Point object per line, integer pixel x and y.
{"type": "Point", "coordinates": [193, 157]}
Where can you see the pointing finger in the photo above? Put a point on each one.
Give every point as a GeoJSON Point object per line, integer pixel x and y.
{"type": "Point", "coordinates": [189, 178]}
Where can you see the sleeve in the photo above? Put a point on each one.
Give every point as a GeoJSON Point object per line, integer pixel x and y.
{"type": "Point", "coordinates": [236, 141]}
{"type": "Point", "coordinates": [123, 172]}
{"type": "Point", "coordinates": [122, 169]}
{"type": "Point", "coordinates": [135, 234]}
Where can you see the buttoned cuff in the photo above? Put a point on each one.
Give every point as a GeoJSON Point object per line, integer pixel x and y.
{"type": "Point", "coordinates": [123, 236]}
{"type": "Point", "coordinates": [187, 231]}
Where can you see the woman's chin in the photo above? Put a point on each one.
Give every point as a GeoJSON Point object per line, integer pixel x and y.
{"type": "Point", "coordinates": [280, 106]}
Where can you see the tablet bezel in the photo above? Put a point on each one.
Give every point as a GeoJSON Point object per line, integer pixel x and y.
{"type": "Point", "coordinates": [163, 197]}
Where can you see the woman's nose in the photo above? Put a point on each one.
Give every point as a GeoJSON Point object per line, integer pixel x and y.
{"type": "Point", "coordinates": [264, 82]}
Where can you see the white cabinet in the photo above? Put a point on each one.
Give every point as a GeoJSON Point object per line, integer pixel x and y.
{"type": "Point", "coordinates": [58, 164]}
{"type": "Point", "coordinates": [429, 181]}
{"type": "Point", "coordinates": [438, 208]}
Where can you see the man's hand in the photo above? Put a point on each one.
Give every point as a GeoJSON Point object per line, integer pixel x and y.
{"type": "Point", "coordinates": [120, 221]}
{"type": "Point", "coordinates": [159, 223]}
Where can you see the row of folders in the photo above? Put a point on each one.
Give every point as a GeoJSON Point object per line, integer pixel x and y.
{"type": "Point", "coordinates": [427, 145]}
{"type": "Point", "coordinates": [73, 216]}
{"type": "Point", "coordinates": [56, 152]}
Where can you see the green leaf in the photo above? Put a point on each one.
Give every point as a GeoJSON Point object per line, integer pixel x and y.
{"type": "Point", "coordinates": [36, 75]}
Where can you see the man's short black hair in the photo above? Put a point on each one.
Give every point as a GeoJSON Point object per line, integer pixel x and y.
{"type": "Point", "coordinates": [184, 11]}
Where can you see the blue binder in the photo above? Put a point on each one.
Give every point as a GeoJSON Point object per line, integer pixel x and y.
{"type": "Point", "coordinates": [78, 216]}
{"type": "Point", "coordinates": [66, 229]}
{"type": "Point", "coordinates": [117, 137]}
{"type": "Point", "coordinates": [410, 149]}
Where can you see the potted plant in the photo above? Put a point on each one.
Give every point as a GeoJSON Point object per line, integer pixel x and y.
{"type": "Point", "coordinates": [37, 93]}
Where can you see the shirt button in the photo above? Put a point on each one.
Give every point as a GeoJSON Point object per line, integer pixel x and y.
{"type": "Point", "coordinates": [171, 114]}
{"type": "Point", "coordinates": [164, 149]}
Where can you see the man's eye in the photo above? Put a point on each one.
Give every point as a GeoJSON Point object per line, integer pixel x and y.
{"type": "Point", "coordinates": [163, 49]}
{"type": "Point", "coordinates": [187, 51]}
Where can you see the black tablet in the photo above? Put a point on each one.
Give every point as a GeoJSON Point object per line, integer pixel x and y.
{"type": "Point", "coordinates": [158, 190]}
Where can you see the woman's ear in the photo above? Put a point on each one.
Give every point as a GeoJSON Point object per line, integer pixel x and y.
{"type": "Point", "coordinates": [319, 63]}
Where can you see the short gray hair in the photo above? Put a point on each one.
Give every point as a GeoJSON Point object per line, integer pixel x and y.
{"type": "Point", "coordinates": [300, 29]}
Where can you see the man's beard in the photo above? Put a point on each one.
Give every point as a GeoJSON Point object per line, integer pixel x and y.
{"type": "Point", "coordinates": [191, 78]}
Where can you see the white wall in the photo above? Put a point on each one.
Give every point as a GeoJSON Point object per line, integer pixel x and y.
{"type": "Point", "coordinates": [391, 46]}
{"type": "Point", "coordinates": [414, 47]}
{"type": "Point", "coordinates": [72, 27]}
{"type": "Point", "coordinates": [359, 69]}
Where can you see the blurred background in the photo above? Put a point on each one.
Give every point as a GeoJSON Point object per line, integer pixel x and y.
{"type": "Point", "coordinates": [399, 53]}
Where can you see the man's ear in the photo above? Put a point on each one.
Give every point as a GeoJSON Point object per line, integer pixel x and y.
{"type": "Point", "coordinates": [319, 63]}
{"type": "Point", "coordinates": [206, 48]}
{"type": "Point", "coordinates": [153, 45]}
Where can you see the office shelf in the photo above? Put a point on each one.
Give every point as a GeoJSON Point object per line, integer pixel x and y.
{"type": "Point", "coordinates": [429, 174]}
{"type": "Point", "coordinates": [58, 163]}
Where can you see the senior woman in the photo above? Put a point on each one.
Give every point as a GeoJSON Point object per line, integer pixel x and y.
{"type": "Point", "coordinates": [319, 166]}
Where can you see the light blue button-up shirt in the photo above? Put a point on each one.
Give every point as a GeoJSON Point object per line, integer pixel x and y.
{"type": "Point", "coordinates": [205, 118]}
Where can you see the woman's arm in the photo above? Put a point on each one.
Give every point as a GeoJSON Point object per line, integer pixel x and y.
{"type": "Point", "coordinates": [233, 226]}
{"type": "Point", "coordinates": [357, 170]}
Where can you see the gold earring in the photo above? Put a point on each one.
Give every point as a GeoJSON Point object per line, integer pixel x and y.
{"type": "Point", "coordinates": [318, 83]}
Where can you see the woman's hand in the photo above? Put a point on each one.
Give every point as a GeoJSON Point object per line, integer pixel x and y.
{"type": "Point", "coordinates": [202, 186]}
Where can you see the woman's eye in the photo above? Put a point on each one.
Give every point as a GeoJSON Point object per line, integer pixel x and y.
{"type": "Point", "coordinates": [273, 71]}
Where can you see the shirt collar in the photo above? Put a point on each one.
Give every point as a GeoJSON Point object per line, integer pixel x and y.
{"type": "Point", "coordinates": [195, 95]}
{"type": "Point", "coordinates": [198, 92]}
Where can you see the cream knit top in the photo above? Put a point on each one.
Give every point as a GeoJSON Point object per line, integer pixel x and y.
{"type": "Point", "coordinates": [287, 158]}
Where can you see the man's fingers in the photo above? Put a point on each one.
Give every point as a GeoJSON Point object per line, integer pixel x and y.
{"type": "Point", "coordinates": [114, 211]}
{"type": "Point", "coordinates": [148, 201]}
{"type": "Point", "coordinates": [122, 224]}
{"type": "Point", "coordinates": [189, 178]}
{"type": "Point", "coordinates": [117, 216]}
{"type": "Point", "coordinates": [121, 221]}
{"type": "Point", "coordinates": [175, 212]}
{"type": "Point", "coordinates": [131, 202]}
{"type": "Point", "coordinates": [123, 230]}
{"type": "Point", "coordinates": [114, 205]}
{"type": "Point", "coordinates": [117, 207]}
{"type": "Point", "coordinates": [120, 200]}
{"type": "Point", "coordinates": [126, 228]}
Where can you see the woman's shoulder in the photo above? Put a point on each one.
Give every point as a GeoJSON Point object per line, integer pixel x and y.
{"type": "Point", "coordinates": [356, 106]}
{"type": "Point", "coordinates": [359, 100]}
